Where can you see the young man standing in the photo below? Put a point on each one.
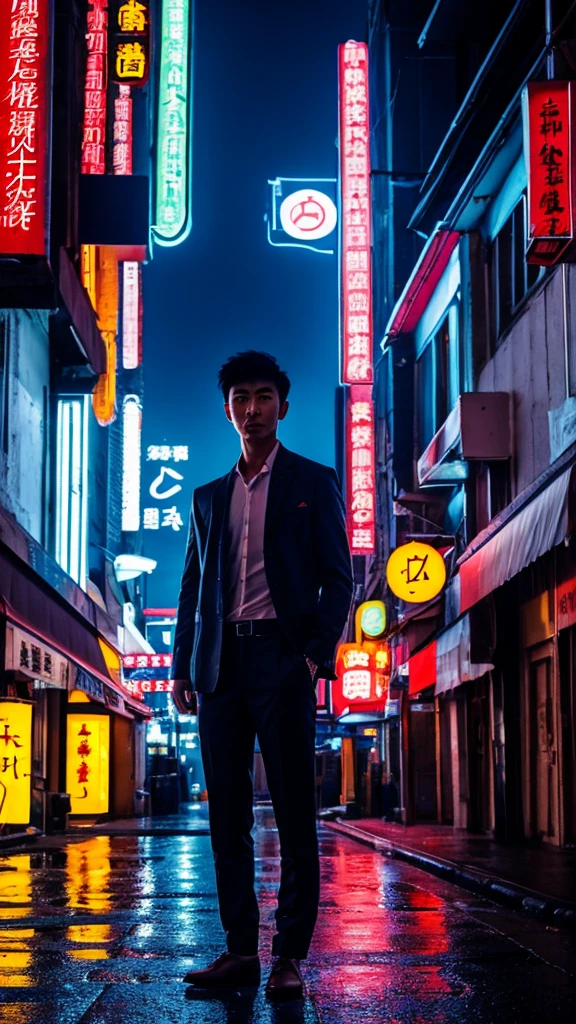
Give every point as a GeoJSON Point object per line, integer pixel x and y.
{"type": "Point", "coordinates": [265, 594]}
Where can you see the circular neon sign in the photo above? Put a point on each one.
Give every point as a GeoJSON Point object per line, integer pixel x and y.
{"type": "Point", "coordinates": [308, 214]}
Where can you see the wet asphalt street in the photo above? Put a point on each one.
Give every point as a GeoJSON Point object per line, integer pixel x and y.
{"type": "Point", "coordinates": [102, 929]}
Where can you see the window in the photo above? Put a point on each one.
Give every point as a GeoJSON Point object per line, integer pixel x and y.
{"type": "Point", "coordinates": [72, 486]}
{"type": "Point", "coordinates": [512, 277]}
{"type": "Point", "coordinates": [492, 491]}
{"type": "Point", "coordinates": [438, 377]}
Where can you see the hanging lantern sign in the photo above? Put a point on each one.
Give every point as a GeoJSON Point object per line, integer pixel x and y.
{"type": "Point", "coordinates": [370, 619]}
{"type": "Point", "coordinates": [87, 763]}
{"type": "Point", "coordinates": [416, 572]}
{"type": "Point", "coordinates": [548, 111]}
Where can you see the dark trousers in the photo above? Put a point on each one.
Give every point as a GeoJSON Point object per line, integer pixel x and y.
{"type": "Point", "coordinates": [264, 689]}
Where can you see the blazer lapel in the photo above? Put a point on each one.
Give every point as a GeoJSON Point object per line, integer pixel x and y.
{"type": "Point", "coordinates": [280, 480]}
{"type": "Point", "coordinates": [218, 514]}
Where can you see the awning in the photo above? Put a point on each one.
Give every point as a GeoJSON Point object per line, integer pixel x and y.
{"type": "Point", "coordinates": [422, 669]}
{"type": "Point", "coordinates": [26, 604]}
{"type": "Point", "coordinates": [537, 528]}
{"type": "Point", "coordinates": [453, 661]}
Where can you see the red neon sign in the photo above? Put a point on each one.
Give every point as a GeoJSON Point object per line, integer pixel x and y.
{"type": "Point", "coordinates": [360, 470]}
{"type": "Point", "coordinates": [356, 268]}
{"type": "Point", "coordinates": [94, 137]}
{"type": "Point", "coordinates": [24, 97]}
{"type": "Point", "coordinates": [548, 112]}
{"type": "Point", "coordinates": [139, 687]}
{"type": "Point", "coordinates": [147, 660]}
{"type": "Point", "coordinates": [363, 672]}
{"type": "Point", "coordinates": [122, 157]}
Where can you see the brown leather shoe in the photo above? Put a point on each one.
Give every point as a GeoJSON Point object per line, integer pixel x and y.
{"type": "Point", "coordinates": [285, 981]}
{"type": "Point", "coordinates": [227, 970]}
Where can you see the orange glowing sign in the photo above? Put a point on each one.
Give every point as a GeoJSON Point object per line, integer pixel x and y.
{"type": "Point", "coordinates": [416, 572]}
{"type": "Point", "coordinates": [87, 763]}
{"type": "Point", "coordinates": [363, 671]}
{"type": "Point", "coordinates": [548, 133]}
{"type": "Point", "coordinates": [15, 761]}
{"type": "Point", "coordinates": [104, 395]}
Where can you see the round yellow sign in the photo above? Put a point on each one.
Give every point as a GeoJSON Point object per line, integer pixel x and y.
{"type": "Point", "coordinates": [416, 572]}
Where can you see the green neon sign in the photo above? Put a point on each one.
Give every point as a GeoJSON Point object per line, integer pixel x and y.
{"type": "Point", "coordinates": [174, 156]}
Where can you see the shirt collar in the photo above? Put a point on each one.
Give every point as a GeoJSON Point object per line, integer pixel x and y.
{"type": "Point", "coordinates": [266, 468]}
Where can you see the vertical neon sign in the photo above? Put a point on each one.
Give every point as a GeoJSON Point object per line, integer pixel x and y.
{"type": "Point", "coordinates": [173, 170]}
{"type": "Point", "coordinates": [24, 98]}
{"type": "Point", "coordinates": [94, 137]}
{"type": "Point", "coordinates": [356, 263]}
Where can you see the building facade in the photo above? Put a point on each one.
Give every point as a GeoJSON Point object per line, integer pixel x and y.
{"type": "Point", "coordinates": [74, 231]}
{"type": "Point", "coordinates": [474, 392]}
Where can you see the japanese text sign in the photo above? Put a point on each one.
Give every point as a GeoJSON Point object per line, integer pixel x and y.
{"type": "Point", "coordinates": [94, 136]}
{"type": "Point", "coordinates": [360, 470]}
{"type": "Point", "coordinates": [129, 25]}
{"type": "Point", "coordinates": [15, 761]}
{"type": "Point", "coordinates": [174, 128]}
{"type": "Point", "coordinates": [548, 132]}
{"type": "Point", "coordinates": [87, 763]}
{"type": "Point", "coordinates": [355, 224]}
{"type": "Point", "coordinates": [416, 572]}
{"type": "Point", "coordinates": [147, 660]}
{"type": "Point", "coordinates": [363, 671]}
{"type": "Point", "coordinates": [24, 105]}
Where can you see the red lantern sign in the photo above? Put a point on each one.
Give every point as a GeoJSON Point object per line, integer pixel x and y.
{"type": "Point", "coordinates": [363, 672]}
{"type": "Point", "coordinates": [360, 470]}
{"type": "Point", "coordinates": [356, 268]}
{"type": "Point", "coordinates": [548, 136]}
{"type": "Point", "coordinates": [25, 92]}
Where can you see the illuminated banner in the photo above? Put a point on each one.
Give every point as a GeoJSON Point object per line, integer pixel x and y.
{"type": "Point", "coordinates": [302, 213]}
{"type": "Point", "coordinates": [131, 316]}
{"type": "Point", "coordinates": [25, 92]}
{"type": "Point", "coordinates": [122, 138]}
{"type": "Point", "coordinates": [129, 22]}
{"type": "Point", "coordinates": [548, 109]}
{"type": "Point", "coordinates": [140, 687]}
{"type": "Point", "coordinates": [87, 763]}
{"type": "Point", "coordinates": [173, 170]}
{"type": "Point", "coordinates": [94, 136]}
{"type": "Point", "coordinates": [15, 761]}
{"type": "Point", "coordinates": [131, 442]}
{"type": "Point", "coordinates": [363, 671]}
{"type": "Point", "coordinates": [355, 213]}
{"type": "Point", "coordinates": [147, 660]}
{"type": "Point", "coordinates": [360, 470]}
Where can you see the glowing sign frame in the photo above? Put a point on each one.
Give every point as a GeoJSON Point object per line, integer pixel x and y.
{"type": "Point", "coordinates": [360, 470]}
{"type": "Point", "coordinates": [548, 112]}
{"type": "Point", "coordinates": [174, 171]}
{"type": "Point", "coordinates": [25, 91]}
{"type": "Point", "coordinates": [356, 317]}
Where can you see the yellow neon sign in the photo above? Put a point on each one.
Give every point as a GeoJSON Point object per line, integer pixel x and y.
{"type": "Point", "coordinates": [15, 761]}
{"type": "Point", "coordinates": [88, 763]}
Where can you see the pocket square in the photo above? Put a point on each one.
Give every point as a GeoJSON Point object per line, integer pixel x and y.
{"type": "Point", "coordinates": [303, 504]}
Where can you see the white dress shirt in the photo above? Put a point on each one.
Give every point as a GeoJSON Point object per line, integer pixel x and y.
{"type": "Point", "coordinates": [246, 587]}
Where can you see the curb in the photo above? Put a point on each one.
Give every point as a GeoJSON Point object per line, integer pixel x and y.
{"type": "Point", "coordinates": [534, 904]}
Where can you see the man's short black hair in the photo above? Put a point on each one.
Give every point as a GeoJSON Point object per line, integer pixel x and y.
{"type": "Point", "coordinates": [246, 367]}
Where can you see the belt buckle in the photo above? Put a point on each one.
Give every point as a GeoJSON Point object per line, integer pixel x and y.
{"type": "Point", "coordinates": [244, 628]}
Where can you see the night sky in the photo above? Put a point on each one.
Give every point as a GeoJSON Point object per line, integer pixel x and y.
{"type": "Point", "coordinates": [265, 82]}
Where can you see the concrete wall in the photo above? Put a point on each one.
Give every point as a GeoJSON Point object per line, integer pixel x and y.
{"type": "Point", "coordinates": [529, 363]}
{"type": "Point", "coordinates": [23, 465]}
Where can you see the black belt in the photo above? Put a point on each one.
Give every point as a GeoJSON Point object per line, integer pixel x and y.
{"type": "Point", "coordinates": [253, 627]}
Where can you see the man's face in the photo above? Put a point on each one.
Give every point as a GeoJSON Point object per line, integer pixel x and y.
{"type": "Point", "coordinates": [255, 408]}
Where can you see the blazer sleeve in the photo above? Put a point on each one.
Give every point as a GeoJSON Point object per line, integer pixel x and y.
{"type": "Point", "coordinates": [187, 603]}
{"type": "Point", "coordinates": [335, 574]}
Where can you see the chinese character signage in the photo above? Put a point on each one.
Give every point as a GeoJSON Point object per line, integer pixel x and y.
{"type": "Point", "coordinates": [173, 170]}
{"type": "Point", "coordinates": [548, 135]}
{"type": "Point", "coordinates": [30, 657]}
{"type": "Point", "coordinates": [87, 763]}
{"type": "Point", "coordinates": [416, 572]}
{"type": "Point", "coordinates": [131, 315]}
{"type": "Point", "coordinates": [360, 470]}
{"type": "Point", "coordinates": [302, 213]}
{"type": "Point", "coordinates": [355, 222]}
{"type": "Point", "coordinates": [94, 137]}
{"type": "Point", "coordinates": [363, 671]}
{"type": "Point", "coordinates": [122, 134]}
{"type": "Point", "coordinates": [165, 487]}
{"type": "Point", "coordinates": [147, 661]}
{"type": "Point", "coordinates": [166, 495]}
{"type": "Point", "coordinates": [129, 25]}
{"type": "Point", "coordinates": [25, 92]}
{"type": "Point", "coordinates": [140, 687]}
{"type": "Point", "coordinates": [15, 761]}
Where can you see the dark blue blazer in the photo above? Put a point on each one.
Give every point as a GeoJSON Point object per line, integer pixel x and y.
{"type": "Point", "coordinates": [306, 559]}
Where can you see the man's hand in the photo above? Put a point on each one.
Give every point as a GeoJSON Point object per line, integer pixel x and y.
{"type": "Point", "coordinates": [185, 697]}
{"type": "Point", "coordinates": [312, 668]}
